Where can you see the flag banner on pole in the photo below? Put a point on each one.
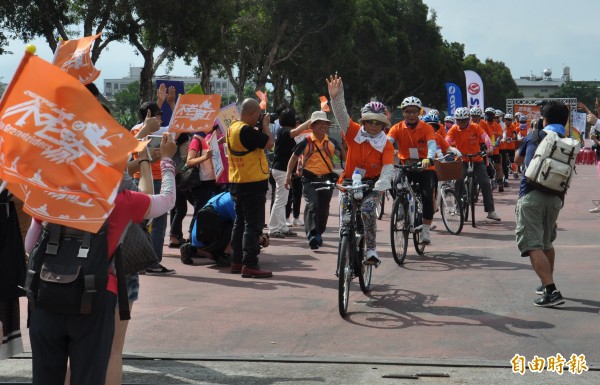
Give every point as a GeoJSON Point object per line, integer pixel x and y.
{"type": "Point", "coordinates": [195, 112]}
{"type": "Point", "coordinates": [73, 57]}
{"type": "Point", "coordinates": [61, 153]}
{"type": "Point", "coordinates": [324, 105]}
{"type": "Point", "coordinates": [474, 90]}
{"type": "Point", "coordinates": [263, 99]}
{"type": "Point", "coordinates": [454, 97]}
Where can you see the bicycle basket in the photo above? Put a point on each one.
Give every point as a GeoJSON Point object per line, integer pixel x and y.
{"type": "Point", "coordinates": [448, 170]}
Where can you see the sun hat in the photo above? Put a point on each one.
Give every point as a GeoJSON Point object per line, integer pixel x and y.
{"type": "Point", "coordinates": [319, 115]}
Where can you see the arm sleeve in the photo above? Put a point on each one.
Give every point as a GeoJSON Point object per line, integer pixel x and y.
{"type": "Point", "coordinates": [339, 110]}
{"type": "Point", "coordinates": [163, 202]}
{"type": "Point", "coordinates": [486, 140]}
{"type": "Point", "coordinates": [385, 178]}
{"type": "Point", "coordinates": [431, 148]}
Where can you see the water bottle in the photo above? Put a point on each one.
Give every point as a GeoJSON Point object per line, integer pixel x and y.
{"type": "Point", "coordinates": [411, 211]}
{"type": "Point", "coordinates": [357, 181]}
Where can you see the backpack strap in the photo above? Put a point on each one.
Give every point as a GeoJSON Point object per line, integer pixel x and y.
{"type": "Point", "coordinates": [122, 297]}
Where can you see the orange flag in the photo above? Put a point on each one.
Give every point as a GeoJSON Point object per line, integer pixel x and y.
{"type": "Point", "coordinates": [263, 99]}
{"type": "Point", "coordinates": [324, 106]}
{"type": "Point", "coordinates": [195, 112]}
{"type": "Point", "coordinates": [73, 57]}
{"type": "Point", "coordinates": [61, 153]}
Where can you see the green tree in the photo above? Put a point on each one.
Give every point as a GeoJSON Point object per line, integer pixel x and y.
{"type": "Point", "coordinates": [585, 92]}
{"type": "Point", "coordinates": [127, 102]}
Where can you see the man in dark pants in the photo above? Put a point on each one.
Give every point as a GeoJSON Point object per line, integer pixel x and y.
{"type": "Point", "coordinates": [248, 175]}
{"type": "Point", "coordinates": [537, 211]}
{"type": "Point", "coordinates": [317, 166]}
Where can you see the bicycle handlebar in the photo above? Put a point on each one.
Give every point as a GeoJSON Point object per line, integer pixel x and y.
{"type": "Point", "coordinates": [328, 185]}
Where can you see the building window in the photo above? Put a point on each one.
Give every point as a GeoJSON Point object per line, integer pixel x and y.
{"type": "Point", "coordinates": [543, 90]}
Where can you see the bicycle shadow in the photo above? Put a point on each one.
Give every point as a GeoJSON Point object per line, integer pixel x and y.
{"type": "Point", "coordinates": [407, 308]}
{"type": "Point", "coordinates": [446, 261]}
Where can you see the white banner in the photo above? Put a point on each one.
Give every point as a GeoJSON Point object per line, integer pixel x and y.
{"type": "Point", "coordinates": [474, 90]}
{"type": "Point", "coordinates": [216, 155]}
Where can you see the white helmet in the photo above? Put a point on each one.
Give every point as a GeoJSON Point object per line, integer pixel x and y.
{"type": "Point", "coordinates": [434, 113]}
{"type": "Point", "coordinates": [490, 111]}
{"type": "Point", "coordinates": [461, 113]}
{"type": "Point", "coordinates": [411, 101]}
{"type": "Point", "coordinates": [499, 113]}
{"type": "Point", "coordinates": [449, 118]}
{"type": "Point", "coordinates": [476, 111]}
{"type": "Point", "coordinates": [508, 116]}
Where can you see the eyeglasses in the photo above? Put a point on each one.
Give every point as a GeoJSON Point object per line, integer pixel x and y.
{"type": "Point", "coordinates": [373, 122]}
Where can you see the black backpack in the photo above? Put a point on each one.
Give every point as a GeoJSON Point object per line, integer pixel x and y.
{"type": "Point", "coordinates": [68, 267]}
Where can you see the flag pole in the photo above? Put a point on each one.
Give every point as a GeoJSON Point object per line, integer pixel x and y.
{"type": "Point", "coordinates": [29, 52]}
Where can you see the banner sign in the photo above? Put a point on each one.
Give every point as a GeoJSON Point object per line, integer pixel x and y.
{"type": "Point", "coordinates": [474, 90]}
{"type": "Point", "coordinates": [454, 97]}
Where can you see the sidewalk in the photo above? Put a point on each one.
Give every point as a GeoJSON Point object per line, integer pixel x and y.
{"type": "Point", "coordinates": [463, 308]}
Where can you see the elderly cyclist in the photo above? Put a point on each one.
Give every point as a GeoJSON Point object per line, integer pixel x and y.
{"type": "Point", "coordinates": [369, 152]}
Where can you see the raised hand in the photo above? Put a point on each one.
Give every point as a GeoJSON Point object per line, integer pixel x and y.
{"type": "Point", "coordinates": [161, 94]}
{"type": "Point", "coordinates": [334, 85]}
{"type": "Point", "coordinates": [172, 97]}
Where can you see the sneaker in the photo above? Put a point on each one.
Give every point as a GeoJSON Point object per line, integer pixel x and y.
{"type": "Point", "coordinates": [159, 270]}
{"type": "Point", "coordinates": [288, 223]}
{"type": "Point", "coordinates": [500, 188]}
{"type": "Point", "coordinates": [290, 233]}
{"type": "Point", "coordinates": [493, 215]}
{"type": "Point", "coordinates": [313, 242]}
{"type": "Point", "coordinates": [549, 300]}
{"type": "Point", "coordinates": [540, 290]}
{"type": "Point", "coordinates": [594, 210]}
{"type": "Point", "coordinates": [297, 222]}
{"type": "Point", "coordinates": [425, 237]}
{"type": "Point", "coordinates": [236, 268]}
{"type": "Point", "coordinates": [187, 251]}
{"type": "Point", "coordinates": [371, 258]}
{"type": "Point", "coordinates": [277, 234]}
{"type": "Point", "coordinates": [255, 272]}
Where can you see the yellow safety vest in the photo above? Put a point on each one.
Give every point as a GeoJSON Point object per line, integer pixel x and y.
{"type": "Point", "coordinates": [247, 166]}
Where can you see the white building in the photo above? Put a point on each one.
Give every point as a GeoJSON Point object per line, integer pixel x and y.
{"type": "Point", "coordinates": [533, 86]}
{"type": "Point", "coordinates": [218, 85]}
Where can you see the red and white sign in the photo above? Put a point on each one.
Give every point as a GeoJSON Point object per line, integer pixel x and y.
{"type": "Point", "coordinates": [474, 90]}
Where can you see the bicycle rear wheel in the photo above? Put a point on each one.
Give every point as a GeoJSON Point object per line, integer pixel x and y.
{"type": "Point", "coordinates": [365, 271]}
{"type": "Point", "coordinates": [419, 247]}
{"type": "Point", "coordinates": [465, 203]}
{"type": "Point", "coordinates": [399, 231]}
{"type": "Point", "coordinates": [344, 275]}
{"type": "Point", "coordinates": [450, 208]}
{"type": "Point", "coordinates": [380, 206]}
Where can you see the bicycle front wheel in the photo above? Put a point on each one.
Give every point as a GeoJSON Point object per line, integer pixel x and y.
{"type": "Point", "coordinates": [344, 275]}
{"type": "Point", "coordinates": [399, 231]}
{"type": "Point", "coordinates": [450, 208]}
{"type": "Point", "coordinates": [365, 271]}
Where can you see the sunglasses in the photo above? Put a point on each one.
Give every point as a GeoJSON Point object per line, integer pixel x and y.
{"type": "Point", "coordinates": [373, 122]}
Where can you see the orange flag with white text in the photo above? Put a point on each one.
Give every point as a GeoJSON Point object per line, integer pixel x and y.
{"type": "Point", "coordinates": [61, 153]}
{"type": "Point", "coordinates": [324, 106]}
{"type": "Point", "coordinates": [263, 99]}
{"type": "Point", "coordinates": [73, 57]}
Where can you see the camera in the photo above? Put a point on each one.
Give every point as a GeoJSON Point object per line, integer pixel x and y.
{"type": "Point", "coordinates": [272, 118]}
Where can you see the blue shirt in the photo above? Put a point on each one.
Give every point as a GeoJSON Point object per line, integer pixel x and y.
{"type": "Point", "coordinates": [225, 208]}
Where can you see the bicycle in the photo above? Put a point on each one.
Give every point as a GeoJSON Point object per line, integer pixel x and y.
{"type": "Point", "coordinates": [351, 249]}
{"type": "Point", "coordinates": [447, 198]}
{"type": "Point", "coordinates": [401, 225]}
{"type": "Point", "coordinates": [470, 192]}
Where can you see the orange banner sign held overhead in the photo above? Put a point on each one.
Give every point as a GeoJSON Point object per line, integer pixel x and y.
{"type": "Point", "coordinates": [73, 57]}
{"type": "Point", "coordinates": [61, 153]}
{"type": "Point", "coordinates": [263, 99]}
{"type": "Point", "coordinates": [324, 105]}
{"type": "Point", "coordinates": [195, 112]}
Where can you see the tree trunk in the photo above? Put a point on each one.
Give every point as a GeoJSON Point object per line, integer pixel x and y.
{"type": "Point", "coordinates": [146, 86]}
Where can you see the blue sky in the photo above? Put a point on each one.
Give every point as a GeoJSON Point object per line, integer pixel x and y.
{"type": "Point", "coordinates": [527, 35]}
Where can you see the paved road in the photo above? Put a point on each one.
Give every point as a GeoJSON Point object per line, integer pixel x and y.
{"type": "Point", "coordinates": [466, 303]}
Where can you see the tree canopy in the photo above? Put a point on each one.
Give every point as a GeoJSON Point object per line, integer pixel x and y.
{"type": "Point", "coordinates": [384, 50]}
